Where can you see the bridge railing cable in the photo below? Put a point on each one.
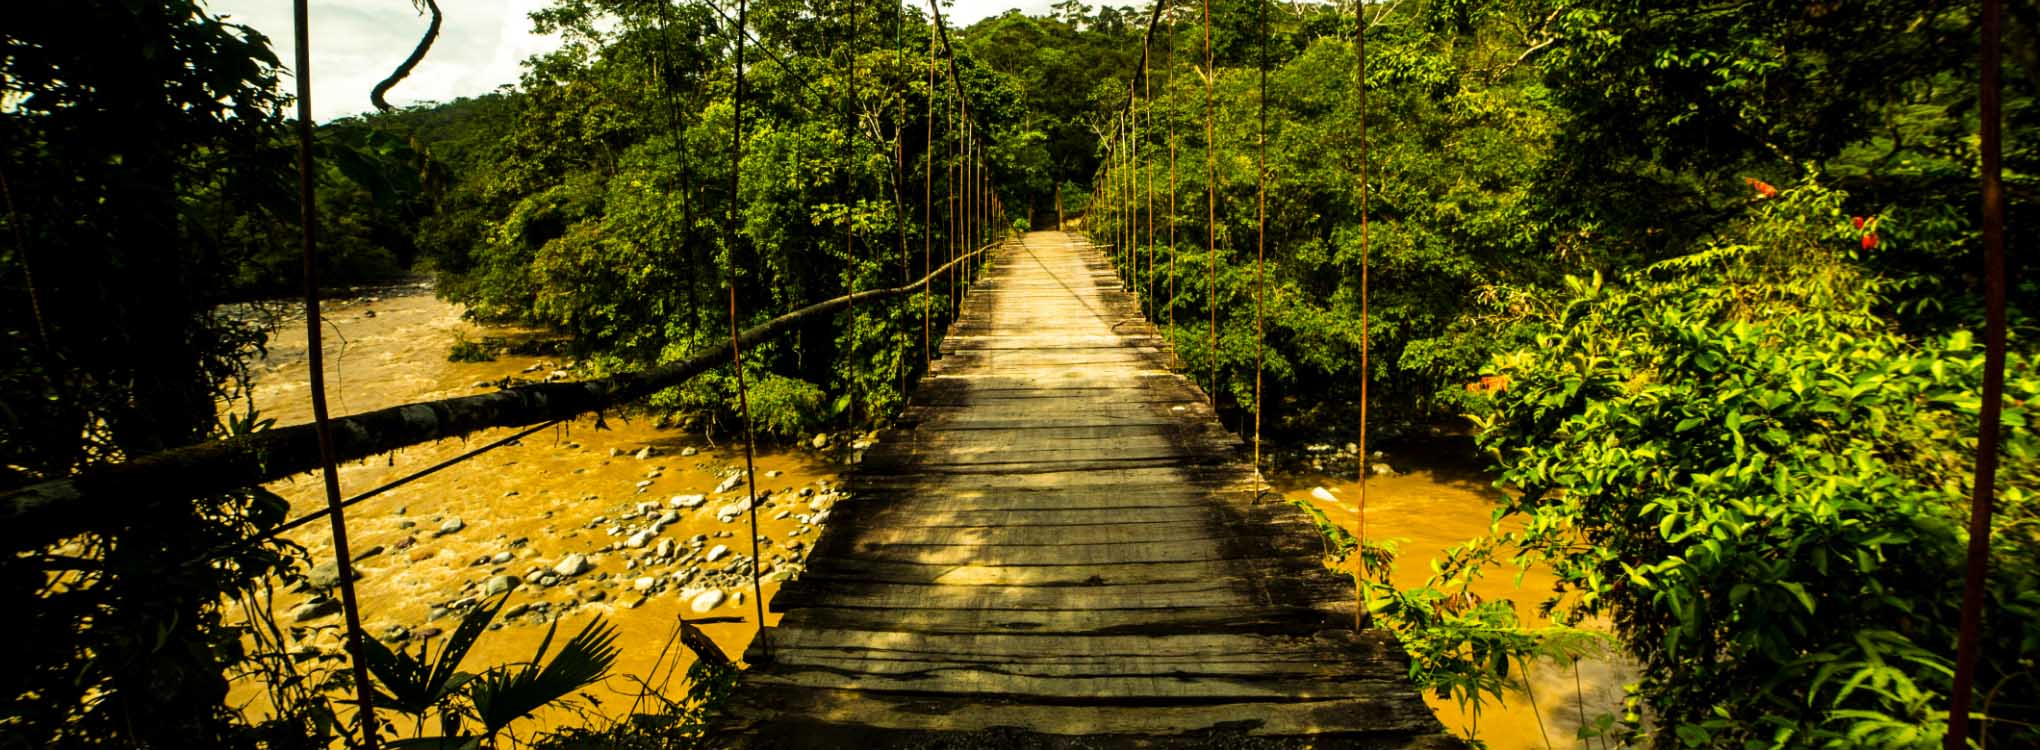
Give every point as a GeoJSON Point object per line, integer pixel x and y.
{"type": "Point", "coordinates": [329, 472]}
{"type": "Point", "coordinates": [46, 511]}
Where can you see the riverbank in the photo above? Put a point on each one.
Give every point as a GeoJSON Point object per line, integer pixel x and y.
{"type": "Point", "coordinates": [602, 517]}
{"type": "Point", "coordinates": [1432, 494]}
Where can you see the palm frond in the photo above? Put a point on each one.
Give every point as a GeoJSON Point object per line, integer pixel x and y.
{"type": "Point", "coordinates": [511, 692]}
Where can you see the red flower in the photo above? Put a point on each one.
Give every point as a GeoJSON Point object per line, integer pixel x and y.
{"type": "Point", "coordinates": [1763, 188]}
{"type": "Point", "coordinates": [1858, 220]}
{"type": "Point", "coordinates": [1869, 241]}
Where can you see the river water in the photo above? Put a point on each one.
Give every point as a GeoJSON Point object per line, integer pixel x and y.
{"type": "Point", "coordinates": [1438, 500]}
{"type": "Point", "coordinates": [579, 490]}
{"type": "Point", "coordinates": [524, 508]}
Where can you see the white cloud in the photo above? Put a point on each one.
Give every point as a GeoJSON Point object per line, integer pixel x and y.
{"type": "Point", "coordinates": [482, 44]}
{"type": "Point", "coordinates": [356, 43]}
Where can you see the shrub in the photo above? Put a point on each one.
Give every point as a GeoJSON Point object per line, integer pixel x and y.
{"type": "Point", "coordinates": [1764, 485]}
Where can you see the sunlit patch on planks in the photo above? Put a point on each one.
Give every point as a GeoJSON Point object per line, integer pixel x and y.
{"type": "Point", "coordinates": [1058, 546]}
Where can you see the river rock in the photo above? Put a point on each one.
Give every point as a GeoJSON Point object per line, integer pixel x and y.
{"type": "Point", "coordinates": [645, 452]}
{"type": "Point", "coordinates": [640, 539]}
{"type": "Point", "coordinates": [315, 609]}
{"type": "Point", "coordinates": [687, 501]}
{"type": "Point", "coordinates": [572, 565]}
{"type": "Point", "coordinates": [1323, 495]}
{"type": "Point", "coordinates": [450, 526]}
{"type": "Point", "coordinates": [1382, 469]}
{"type": "Point", "coordinates": [730, 482]}
{"type": "Point", "coordinates": [503, 557]}
{"type": "Point", "coordinates": [516, 609]}
{"type": "Point", "coordinates": [716, 553]}
{"type": "Point", "coordinates": [324, 575]}
{"type": "Point", "coordinates": [706, 600]}
{"type": "Point", "coordinates": [821, 440]}
{"type": "Point", "coordinates": [689, 451]}
{"type": "Point", "coordinates": [644, 583]}
{"type": "Point", "coordinates": [500, 585]}
{"type": "Point", "coordinates": [596, 596]}
{"type": "Point", "coordinates": [665, 549]}
{"type": "Point", "coordinates": [729, 512]}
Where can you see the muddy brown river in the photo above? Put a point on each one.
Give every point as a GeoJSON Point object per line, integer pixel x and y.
{"type": "Point", "coordinates": [1428, 509]}
{"type": "Point", "coordinates": [654, 536]}
{"type": "Point", "coordinates": [654, 539]}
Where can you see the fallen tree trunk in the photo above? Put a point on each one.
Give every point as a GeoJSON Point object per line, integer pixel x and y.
{"type": "Point", "coordinates": [43, 513]}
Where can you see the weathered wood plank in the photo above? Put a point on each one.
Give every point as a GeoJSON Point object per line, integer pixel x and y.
{"type": "Point", "coordinates": [1060, 540]}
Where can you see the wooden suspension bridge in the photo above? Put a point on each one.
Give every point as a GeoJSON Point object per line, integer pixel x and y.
{"type": "Point", "coordinates": [1060, 545]}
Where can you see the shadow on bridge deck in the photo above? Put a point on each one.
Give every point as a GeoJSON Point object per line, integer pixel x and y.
{"type": "Point", "coordinates": [1059, 547]}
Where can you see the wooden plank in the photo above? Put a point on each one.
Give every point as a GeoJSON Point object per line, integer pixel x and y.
{"type": "Point", "coordinates": [1059, 540]}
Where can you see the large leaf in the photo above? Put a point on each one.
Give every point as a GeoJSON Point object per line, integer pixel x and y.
{"type": "Point", "coordinates": [415, 684]}
{"type": "Point", "coordinates": [511, 692]}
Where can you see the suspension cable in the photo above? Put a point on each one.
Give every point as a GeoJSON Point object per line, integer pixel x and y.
{"type": "Point", "coordinates": [1211, 200]}
{"type": "Point", "coordinates": [315, 358]}
{"type": "Point", "coordinates": [1360, 618]}
{"type": "Point", "coordinates": [849, 208]}
{"type": "Point", "coordinates": [1147, 286]}
{"type": "Point", "coordinates": [736, 348]}
{"type": "Point", "coordinates": [1990, 139]}
{"type": "Point", "coordinates": [1170, 91]}
{"type": "Point", "coordinates": [1260, 240]}
{"type": "Point", "coordinates": [928, 214]}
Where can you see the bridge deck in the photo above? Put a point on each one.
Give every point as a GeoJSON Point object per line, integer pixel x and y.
{"type": "Point", "coordinates": [1059, 547]}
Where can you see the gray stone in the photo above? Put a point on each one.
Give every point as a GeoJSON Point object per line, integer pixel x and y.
{"type": "Point", "coordinates": [640, 539]}
{"type": "Point", "coordinates": [503, 557]}
{"type": "Point", "coordinates": [729, 512]}
{"type": "Point", "coordinates": [324, 575]}
{"type": "Point", "coordinates": [717, 552]}
{"type": "Point", "coordinates": [730, 482]}
{"type": "Point", "coordinates": [706, 600]}
{"type": "Point", "coordinates": [689, 451]}
{"type": "Point", "coordinates": [646, 452]}
{"type": "Point", "coordinates": [451, 525]}
{"type": "Point", "coordinates": [688, 501]}
{"type": "Point", "coordinates": [572, 565]}
{"type": "Point", "coordinates": [315, 609]}
{"type": "Point", "coordinates": [644, 583]}
{"type": "Point", "coordinates": [500, 585]}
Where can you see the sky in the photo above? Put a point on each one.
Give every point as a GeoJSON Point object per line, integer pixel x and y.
{"type": "Point", "coordinates": [356, 43]}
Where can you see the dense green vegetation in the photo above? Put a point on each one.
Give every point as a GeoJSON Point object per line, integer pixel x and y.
{"type": "Point", "coordinates": [1722, 254]}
